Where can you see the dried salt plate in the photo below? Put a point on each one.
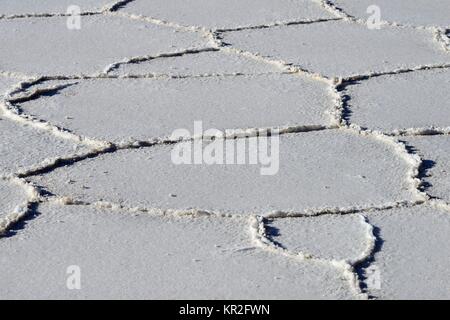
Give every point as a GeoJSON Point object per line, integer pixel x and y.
{"type": "Point", "coordinates": [401, 102]}
{"type": "Point", "coordinates": [325, 48]}
{"type": "Point", "coordinates": [155, 107]}
{"type": "Point", "coordinates": [166, 257]}
{"type": "Point", "coordinates": [412, 261]}
{"type": "Point", "coordinates": [224, 14]}
{"type": "Point", "coordinates": [332, 168]}
{"type": "Point", "coordinates": [417, 12]}
{"type": "Point", "coordinates": [101, 41]}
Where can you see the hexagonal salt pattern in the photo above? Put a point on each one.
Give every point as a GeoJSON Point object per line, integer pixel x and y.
{"type": "Point", "coordinates": [91, 162]}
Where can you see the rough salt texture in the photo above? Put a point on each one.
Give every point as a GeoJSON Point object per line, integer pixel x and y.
{"type": "Point", "coordinates": [153, 257]}
{"type": "Point", "coordinates": [413, 261]}
{"type": "Point", "coordinates": [157, 107]}
{"type": "Point", "coordinates": [401, 101]}
{"type": "Point", "coordinates": [417, 12]}
{"type": "Point", "coordinates": [321, 227]}
{"type": "Point", "coordinates": [11, 196]}
{"type": "Point", "coordinates": [326, 48]}
{"type": "Point", "coordinates": [22, 147]}
{"type": "Point", "coordinates": [327, 237]}
{"type": "Point", "coordinates": [317, 169]}
{"type": "Point", "coordinates": [6, 83]}
{"type": "Point", "coordinates": [203, 63]}
{"type": "Point", "coordinates": [435, 150]}
{"type": "Point", "coordinates": [101, 41]}
{"type": "Point", "coordinates": [219, 14]}
{"type": "Point", "coordinates": [13, 7]}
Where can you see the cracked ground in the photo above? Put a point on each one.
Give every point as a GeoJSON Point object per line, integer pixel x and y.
{"type": "Point", "coordinates": [360, 206]}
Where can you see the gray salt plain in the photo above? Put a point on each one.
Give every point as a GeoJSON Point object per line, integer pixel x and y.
{"type": "Point", "coordinates": [359, 207]}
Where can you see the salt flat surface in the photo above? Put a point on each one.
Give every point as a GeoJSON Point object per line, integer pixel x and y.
{"type": "Point", "coordinates": [319, 169]}
{"type": "Point", "coordinates": [153, 257]}
{"type": "Point", "coordinates": [101, 41]}
{"type": "Point", "coordinates": [435, 150]}
{"type": "Point", "coordinates": [402, 101]}
{"type": "Point", "coordinates": [6, 83]}
{"type": "Point", "coordinates": [11, 196]}
{"type": "Point", "coordinates": [327, 237]}
{"type": "Point", "coordinates": [355, 211]}
{"type": "Point", "coordinates": [413, 261]}
{"type": "Point", "coordinates": [22, 147]}
{"type": "Point", "coordinates": [202, 63]}
{"type": "Point", "coordinates": [222, 14]}
{"type": "Point", "coordinates": [12, 7]}
{"type": "Point", "coordinates": [156, 107]}
{"type": "Point", "coordinates": [325, 47]}
{"type": "Point", "coordinates": [417, 12]}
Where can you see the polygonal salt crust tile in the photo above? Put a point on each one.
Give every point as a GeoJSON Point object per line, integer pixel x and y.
{"type": "Point", "coordinates": [165, 258]}
{"type": "Point", "coordinates": [220, 14]}
{"type": "Point", "coordinates": [203, 63]}
{"type": "Point", "coordinates": [101, 41]}
{"type": "Point", "coordinates": [338, 237]}
{"type": "Point", "coordinates": [401, 101]}
{"type": "Point", "coordinates": [22, 146]}
{"type": "Point", "coordinates": [340, 48]}
{"type": "Point", "coordinates": [313, 170]}
{"type": "Point", "coordinates": [413, 261]}
{"type": "Point", "coordinates": [435, 151]}
{"type": "Point", "coordinates": [417, 12]}
{"type": "Point", "coordinates": [156, 107]}
{"type": "Point", "coordinates": [11, 196]}
{"type": "Point", "coordinates": [13, 7]}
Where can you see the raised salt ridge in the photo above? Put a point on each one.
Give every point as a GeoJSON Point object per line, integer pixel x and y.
{"type": "Point", "coordinates": [333, 168]}
{"type": "Point", "coordinates": [435, 151]}
{"type": "Point", "coordinates": [156, 107]}
{"type": "Point", "coordinates": [224, 14]}
{"type": "Point", "coordinates": [196, 63]}
{"type": "Point", "coordinates": [412, 262]}
{"type": "Point", "coordinates": [401, 102]}
{"type": "Point", "coordinates": [325, 48]}
{"type": "Point", "coordinates": [417, 12]}
{"type": "Point", "coordinates": [12, 196]}
{"type": "Point", "coordinates": [331, 237]}
{"type": "Point", "coordinates": [23, 147]}
{"type": "Point", "coordinates": [165, 258]}
{"type": "Point", "coordinates": [101, 41]}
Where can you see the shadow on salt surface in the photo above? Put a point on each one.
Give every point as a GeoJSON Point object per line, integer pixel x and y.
{"type": "Point", "coordinates": [331, 237]}
{"type": "Point", "coordinates": [413, 102]}
{"type": "Point", "coordinates": [425, 167]}
{"type": "Point", "coordinates": [436, 170]}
